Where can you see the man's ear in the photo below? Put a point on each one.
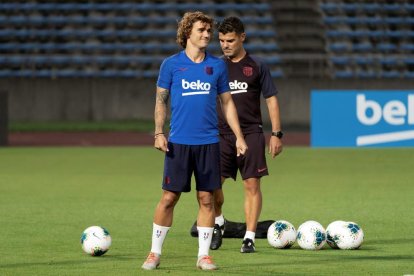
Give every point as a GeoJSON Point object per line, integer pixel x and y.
{"type": "Point", "coordinates": [243, 37]}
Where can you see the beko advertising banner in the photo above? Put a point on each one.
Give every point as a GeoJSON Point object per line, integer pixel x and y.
{"type": "Point", "coordinates": [362, 118]}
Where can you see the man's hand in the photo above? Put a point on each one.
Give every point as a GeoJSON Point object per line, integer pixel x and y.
{"type": "Point", "coordinates": [275, 146]}
{"type": "Point", "coordinates": [161, 143]}
{"type": "Point", "coordinates": [241, 146]}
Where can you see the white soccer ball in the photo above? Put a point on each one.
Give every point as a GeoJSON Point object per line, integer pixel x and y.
{"type": "Point", "coordinates": [332, 232]}
{"type": "Point", "coordinates": [96, 240]}
{"type": "Point", "coordinates": [349, 236]}
{"type": "Point", "coordinates": [281, 234]}
{"type": "Point", "coordinates": [311, 235]}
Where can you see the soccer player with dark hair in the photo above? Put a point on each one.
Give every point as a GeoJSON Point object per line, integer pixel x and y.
{"type": "Point", "coordinates": [249, 79]}
{"type": "Point", "coordinates": [193, 79]}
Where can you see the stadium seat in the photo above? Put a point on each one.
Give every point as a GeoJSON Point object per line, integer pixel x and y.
{"type": "Point", "coordinates": [112, 38]}
{"type": "Point", "coordinates": [363, 60]}
{"type": "Point", "coordinates": [379, 33]}
{"type": "Point", "coordinates": [339, 47]}
{"type": "Point", "coordinates": [390, 74]}
{"type": "Point", "coordinates": [343, 74]}
{"type": "Point", "coordinates": [362, 47]}
{"type": "Point", "coordinates": [344, 60]}
{"type": "Point", "coordinates": [365, 74]}
{"type": "Point", "coordinates": [386, 47]}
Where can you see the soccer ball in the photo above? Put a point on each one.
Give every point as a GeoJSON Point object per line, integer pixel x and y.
{"type": "Point", "coordinates": [349, 236]}
{"type": "Point", "coordinates": [281, 234]}
{"type": "Point", "coordinates": [311, 235]}
{"type": "Point", "coordinates": [332, 232]}
{"type": "Point", "coordinates": [96, 240]}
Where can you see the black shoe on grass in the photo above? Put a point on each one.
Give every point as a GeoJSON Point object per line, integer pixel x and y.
{"type": "Point", "coordinates": [217, 238]}
{"type": "Point", "coordinates": [247, 246]}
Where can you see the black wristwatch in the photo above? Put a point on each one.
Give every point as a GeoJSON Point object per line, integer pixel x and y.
{"type": "Point", "coordinates": [278, 134]}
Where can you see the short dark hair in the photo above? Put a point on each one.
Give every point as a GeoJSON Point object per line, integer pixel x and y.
{"type": "Point", "coordinates": [231, 24]}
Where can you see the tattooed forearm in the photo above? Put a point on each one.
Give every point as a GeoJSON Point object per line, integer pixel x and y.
{"type": "Point", "coordinates": [160, 113]}
{"type": "Point", "coordinates": [162, 96]}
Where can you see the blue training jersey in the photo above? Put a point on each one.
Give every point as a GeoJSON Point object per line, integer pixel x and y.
{"type": "Point", "coordinates": [193, 90]}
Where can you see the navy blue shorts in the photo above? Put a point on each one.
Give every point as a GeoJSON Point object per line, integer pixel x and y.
{"type": "Point", "coordinates": [181, 161]}
{"type": "Point", "coordinates": [251, 165]}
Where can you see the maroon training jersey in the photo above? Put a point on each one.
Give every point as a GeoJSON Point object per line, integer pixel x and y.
{"type": "Point", "coordinates": [248, 79]}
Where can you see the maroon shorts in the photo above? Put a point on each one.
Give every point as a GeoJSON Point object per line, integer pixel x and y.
{"type": "Point", "coordinates": [251, 165]}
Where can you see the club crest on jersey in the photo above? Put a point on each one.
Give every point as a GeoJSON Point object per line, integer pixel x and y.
{"type": "Point", "coordinates": [209, 70]}
{"type": "Point", "coordinates": [248, 71]}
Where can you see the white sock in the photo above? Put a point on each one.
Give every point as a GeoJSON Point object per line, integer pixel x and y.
{"type": "Point", "coordinates": [204, 240]}
{"type": "Point", "coordinates": [249, 235]}
{"type": "Point", "coordinates": [219, 220]}
{"type": "Point", "coordinates": [158, 235]}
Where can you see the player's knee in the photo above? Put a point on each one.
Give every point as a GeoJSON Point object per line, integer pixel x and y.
{"type": "Point", "coordinates": [252, 188]}
{"type": "Point", "coordinates": [206, 201]}
{"type": "Point", "coordinates": [218, 198]}
{"type": "Point", "coordinates": [218, 201]}
{"type": "Point", "coordinates": [169, 200]}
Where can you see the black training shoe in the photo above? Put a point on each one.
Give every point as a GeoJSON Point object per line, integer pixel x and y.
{"type": "Point", "coordinates": [217, 238]}
{"type": "Point", "coordinates": [247, 246]}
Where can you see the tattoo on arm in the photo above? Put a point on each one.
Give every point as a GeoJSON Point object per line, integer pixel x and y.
{"type": "Point", "coordinates": [162, 96]}
{"type": "Point", "coordinates": [160, 113]}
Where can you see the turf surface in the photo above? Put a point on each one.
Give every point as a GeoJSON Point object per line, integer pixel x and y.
{"type": "Point", "coordinates": [48, 196]}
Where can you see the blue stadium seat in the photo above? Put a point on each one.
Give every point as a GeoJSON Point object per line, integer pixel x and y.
{"type": "Point", "coordinates": [408, 7]}
{"type": "Point", "coordinates": [370, 7]}
{"type": "Point", "coordinates": [388, 60]}
{"type": "Point", "coordinates": [408, 60]}
{"type": "Point", "coordinates": [344, 60]}
{"type": "Point", "coordinates": [133, 6]}
{"type": "Point", "coordinates": [51, 39]}
{"type": "Point", "coordinates": [363, 60]}
{"type": "Point", "coordinates": [333, 20]}
{"type": "Point", "coordinates": [365, 74]}
{"type": "Point", "coordinates": [396, 20]}
{"type": "Point", "coordinates": [390, 74]}
{"type": "Point", "coordinates": [343, 74]}
{"type": "Point", "coordinates": [392, 7]}
{"type": "Point", "coordinates": [407, 46]}
{"type": "Point", "coordinates": [5, 73]}
{"type": "Point", "coordinates": [339, 47]}
{"type": "Point", "coordinates": [101, 20]}
{"type": "Point", "coordinates": [386, 47]}
{"type": "Point", "coordinates": [362, 20]}
{"type": "Point", "coordinates": [409, 74]}
{"type": "Point", "coordinates": [362, 47]}
{"type": "Point", "coordinates": [350, 7]}
{"type": "Point", "coordinates": [330, 7]}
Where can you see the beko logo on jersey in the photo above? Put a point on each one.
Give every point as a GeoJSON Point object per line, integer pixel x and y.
{"type": "Point", "coordinates": [199, 87]}
{"type": "Point", "coordinates": [238, 87]}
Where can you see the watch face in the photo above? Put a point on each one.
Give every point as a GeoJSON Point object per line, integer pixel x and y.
{"type": "Point", "coordinates": [278, 134]}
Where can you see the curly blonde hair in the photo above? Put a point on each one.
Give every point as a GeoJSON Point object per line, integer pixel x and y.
{"type": "Point", "coordinates": [186, 25]}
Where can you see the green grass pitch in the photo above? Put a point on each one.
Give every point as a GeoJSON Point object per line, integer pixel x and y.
{"type": "Point", "coordinates": [48, 196]}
